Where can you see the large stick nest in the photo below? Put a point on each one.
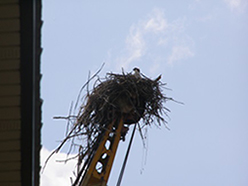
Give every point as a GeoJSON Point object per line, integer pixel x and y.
{"type": "Point", "coordinates": [113, 97]}
{"type": "Point", "coordinates": [116, 96]}
{"type": "Point", "coordinates": [123, 95]}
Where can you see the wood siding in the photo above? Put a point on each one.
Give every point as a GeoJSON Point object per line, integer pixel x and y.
{"type": "Point", "coordinates": [10, 113]}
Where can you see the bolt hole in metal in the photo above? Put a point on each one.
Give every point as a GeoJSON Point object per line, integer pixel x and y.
{"type": "Point", "coordinates": [111, 134]}
{"type": "Point", "coordinates": [104, 156]}
{"type": "Point", "coordinates": [107, 144]}
{"type": "Point", "coordinates": [99, 167]}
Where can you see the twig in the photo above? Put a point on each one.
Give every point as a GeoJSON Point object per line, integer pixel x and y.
{"type": "Point", "coordinates": [87, 84]}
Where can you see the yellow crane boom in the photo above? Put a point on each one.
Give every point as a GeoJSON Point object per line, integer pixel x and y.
{"type": "Point", "coordinates": [98, 170]}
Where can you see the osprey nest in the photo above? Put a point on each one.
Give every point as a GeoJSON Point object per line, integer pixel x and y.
{"type": "Point", "coordinates": [127, 96]}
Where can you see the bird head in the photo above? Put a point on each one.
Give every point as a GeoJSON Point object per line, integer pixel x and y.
{"type": "Point", "coordinates": [136, 70]}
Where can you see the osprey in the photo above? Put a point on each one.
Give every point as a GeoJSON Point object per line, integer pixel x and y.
{"type": "Point", "coordinates": [136, 72]}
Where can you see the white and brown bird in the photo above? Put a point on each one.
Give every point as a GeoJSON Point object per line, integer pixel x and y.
{"type": "Point", "coordinates": [136, 72]}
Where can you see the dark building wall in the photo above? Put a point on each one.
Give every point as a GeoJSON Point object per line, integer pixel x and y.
{"type": "Point", "coordinates": [20, 106]}
{"type": "Point", "coordinates": [30, 19]}
{"type": "Point", "coordinates": [10, 94]}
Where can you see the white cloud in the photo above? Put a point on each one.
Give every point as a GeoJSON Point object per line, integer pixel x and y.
{"type": "Point", "coordinates": [56, 173]}
{"type": "Point", "coordinates": [152, 38]}
{"type": "Point", "coordinates": [178, 53]}
{"type": "Point", "coordinates": [156, 23]}
{"type": "Point", "coordinates": [237, 5]}
{"type": "Point", "coordinates": [135, 47]}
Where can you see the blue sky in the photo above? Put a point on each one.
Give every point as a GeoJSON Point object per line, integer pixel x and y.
{"type": "Point", "coordinates": [201, 50]}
